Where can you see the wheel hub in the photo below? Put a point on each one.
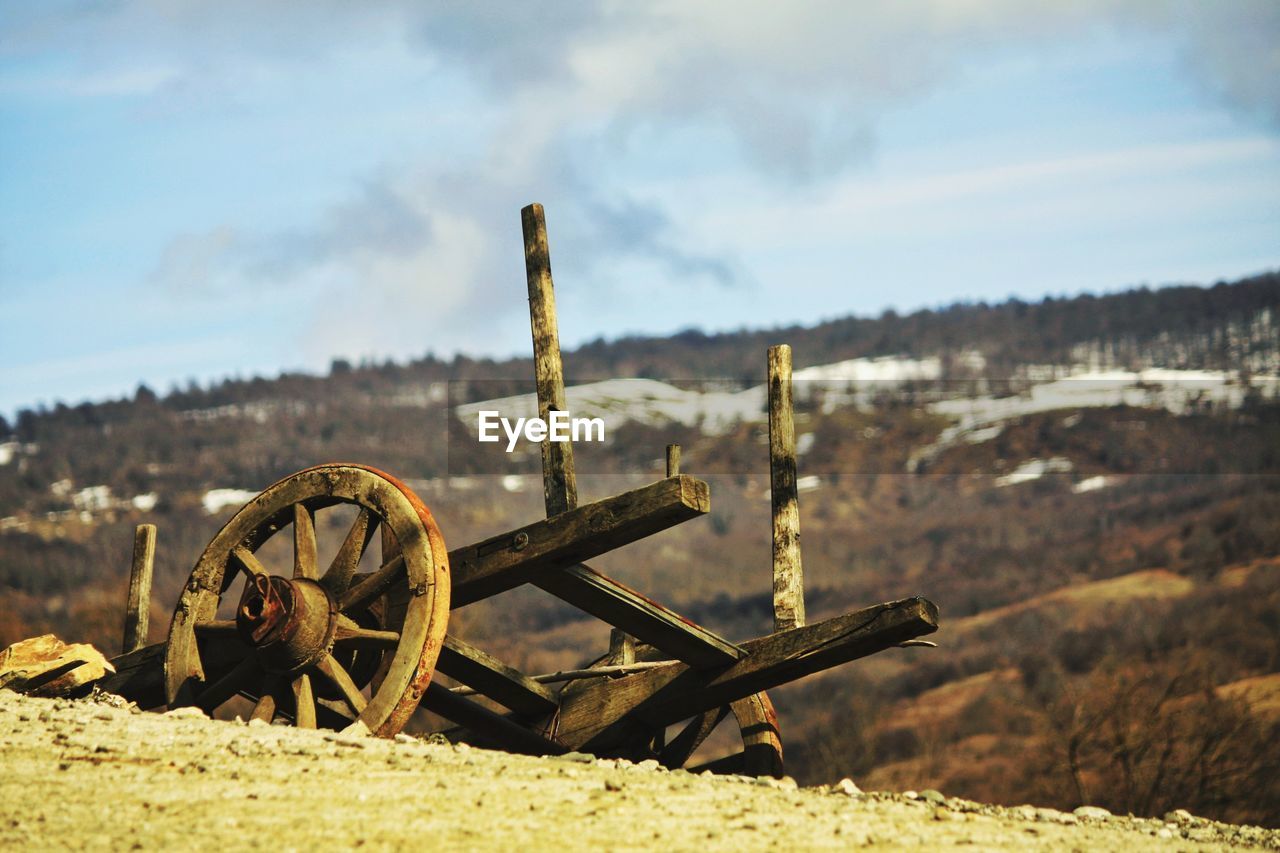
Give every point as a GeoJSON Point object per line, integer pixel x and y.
{"type": "Point", "coordinates": [289, 621]}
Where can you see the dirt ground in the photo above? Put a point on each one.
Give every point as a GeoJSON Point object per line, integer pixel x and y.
{"type": "Point", "coordinates": [90, 775]}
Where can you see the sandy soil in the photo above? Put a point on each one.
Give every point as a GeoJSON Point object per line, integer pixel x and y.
{"type": "Point", "coordinates": [89, 775]}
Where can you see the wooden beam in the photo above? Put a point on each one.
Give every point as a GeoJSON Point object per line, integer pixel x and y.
{"type": "Point", "coordinates": [493, 727]}
{"type": "Point", "coordinates": [559, 485]}
{"type": "Point", "coordinates": [137, 613]}
{"type": "Point", "coordinates": [139, 676]}
{"type": "Point", "coordinates": [633, 613]}
{"type": "Point", "coordinates": [673, 460]}
{"type": "Point", "coordinates": [603, 716]}
{"type": "Point", "coordinates": [511, 559]}
{"type": "Point", "coordinates": [622, 647]}
{"type": "Point", "coordinates": [788, 576]}
{"type": "Point", "coordinates": [491, 677]}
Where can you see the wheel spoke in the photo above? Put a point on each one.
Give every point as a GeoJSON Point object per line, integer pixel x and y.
{"type": "Point", "coordinates": [344, 564]}
{"type": "Point", "coordinates": [332, 670]}
{"type": "Point", "coordinates": [216, 628]}
{"type": "Point", "coordinates": [677, 752]}
{"type": "Point", "coordinates": [228, 685]}
{"type": "Point", "coordinates": [304, 703]}
{"type": "Point", "coordinates": [265, 709]}
{"type": "Point", "coordinates": [372, 586]}
{"type": "Point", "coordinates": [348, 633]}
{"type": "Point", "coordinates": [247, 562]}
{"type": "Point", "coordinates": [390, 545]}
{"type": "Point", "coordinates": [305, 563]}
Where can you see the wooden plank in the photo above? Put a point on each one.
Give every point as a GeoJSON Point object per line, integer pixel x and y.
{"type": "Point", "coordinates": [559, 485]}
{"type": "Point", "coordinates": [603, 716]}
{"type": "Point", "coordinates": [137, 613]}
{"type": "Point", "coordinates": [624, 608]}
{"type": "Point", "coordinates": [489, 726]}
{"type": "Point", "coordinates": [622, 647]}
{"type": "Point", "coordinates": [511, 559]}
{"type": "Point", "coordinates": [673, 460]}
{"type": "Point", "coordinates": [139, 676]}
{"type": "Point", "coordinates": [491, 677]}
{"type": "Point", "coordinates": [788, 576]}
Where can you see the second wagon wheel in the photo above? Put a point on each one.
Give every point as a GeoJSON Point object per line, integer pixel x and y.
{"type": "Point", "coordinates": [757, 722]}
{"type": "Point", "coordinates": [309, 639]}
{"type": "Point", "coordinates": [754, 715]}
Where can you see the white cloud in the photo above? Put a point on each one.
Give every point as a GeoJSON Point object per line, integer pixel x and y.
{"type": "Point", "coordinates": [793, 92]}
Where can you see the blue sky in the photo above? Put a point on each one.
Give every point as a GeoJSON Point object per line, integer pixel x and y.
{"type": "Point", "coordinates": [202, 190]}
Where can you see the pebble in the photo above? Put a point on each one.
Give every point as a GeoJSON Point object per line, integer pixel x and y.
{"type": "Point", "coordinates": [401, 737]}
{"type": "Point", "coordinates": [911, 795]}
{"type": "Point", "coordinates": [929, 795]}
{"type": "Point", "coordinates": [1024, 812]}
{"type": "Point", "coordinates": [848, 787]}
{"type": "Point", "coordinates": [188, 711]}
{"type": "Point", "coordinates": [1092, 813]}
{"type": "Point", "coordinates": [648, 764]}
{"type": "Point", "coordinates": [580, 757]}
{"type": "Point", "coordinates": [1178, 816]}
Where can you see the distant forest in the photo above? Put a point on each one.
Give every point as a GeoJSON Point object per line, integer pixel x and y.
{"type": "Point", "coordinates": [1226, 326]}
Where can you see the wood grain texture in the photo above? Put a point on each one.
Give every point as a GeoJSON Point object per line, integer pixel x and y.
{"type": "Point", "coordinates": [559, 485]}
{"type": "Point", "coordinates": [137, 613]}
{"type": "Point", "coordinates": [139, 676]}
{"type": "Point", "coordinates": [637, 615]}
{"type": "Point", "coordinates": [491, 677]}
{"type": "Point", "coordinates": [511, 559]}
{"type": "Point", "coordinates": [486, 727]}
{"type": "Point", "coordinates": [604, 716]}
{"type": "Point", "coordinates": [788, 574]}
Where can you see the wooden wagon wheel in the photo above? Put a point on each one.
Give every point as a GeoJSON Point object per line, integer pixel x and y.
{"type": "Point", "coordinates": [757, 721]}
{"type": "Point", "coordinates": [304, 645]}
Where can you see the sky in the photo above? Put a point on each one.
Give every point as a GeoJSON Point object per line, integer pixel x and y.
{"type": "Point", "coordinates": [190, 191]}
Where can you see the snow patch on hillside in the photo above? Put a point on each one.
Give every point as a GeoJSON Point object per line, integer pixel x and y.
{"type": "Point", "coordinates": [1034, 469]}
{"type": "Point", "coordinates": [715, 407]}
{"type": "Point", "coordinates": [1092, 484]}
{"type": "Point", "coordinates": [216, 500]}
{"type": "Point", "coordinates": [1176, 391]}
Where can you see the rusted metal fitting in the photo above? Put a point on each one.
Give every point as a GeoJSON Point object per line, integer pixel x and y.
{"type": "Point", "coordinates": [264, 609]}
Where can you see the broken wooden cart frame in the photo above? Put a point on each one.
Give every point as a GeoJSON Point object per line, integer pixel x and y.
{"type": "Point", "coordinates": [325, 645]}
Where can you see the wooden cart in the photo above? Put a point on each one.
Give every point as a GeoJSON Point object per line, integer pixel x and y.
{"type": "Point", "coordinates": [320, 644]}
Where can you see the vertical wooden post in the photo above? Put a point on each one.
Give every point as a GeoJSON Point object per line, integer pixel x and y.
{"type": "Point", "coordinates": [788, 576]}
{"type": "Point", "coordinates": [559, 485]}
{"type": "Point", "coordinates": [138, 609]}
{"type": "Point", "coordinates": [622, 647]}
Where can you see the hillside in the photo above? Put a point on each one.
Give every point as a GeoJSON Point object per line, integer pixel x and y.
{"type": "Point", "coordinates": [1086, 487]}
{"type": "Point", "coordinates": [94, 775]}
